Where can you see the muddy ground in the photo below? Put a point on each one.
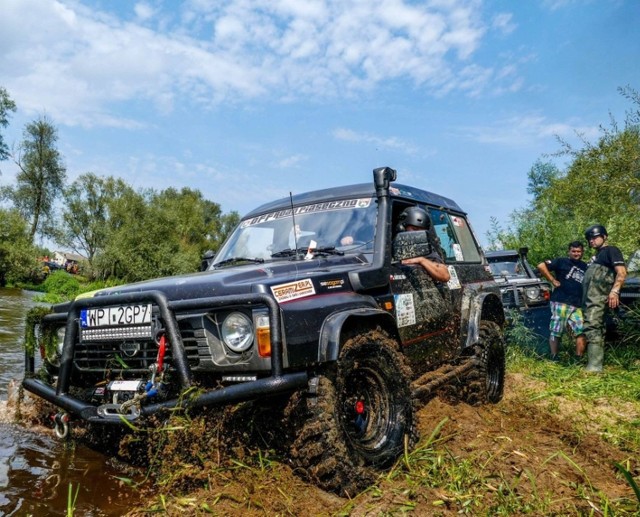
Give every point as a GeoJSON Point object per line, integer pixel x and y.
{"type": "Point", "coordinates": [522, 453]}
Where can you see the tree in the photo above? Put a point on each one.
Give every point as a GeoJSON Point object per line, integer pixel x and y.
{"type": "Point", "coordinates": [41, 177]}
{"type": "Point", "coordinates": [151, 234]}
{"type": "Point", "coordinates": [17, 255]}
{"type": "Point", "coordinates": [6, 106]}
{"type": "Point", "coordinates": [86, 215]}
{"type": "Point", "coordinates": [600, 185]}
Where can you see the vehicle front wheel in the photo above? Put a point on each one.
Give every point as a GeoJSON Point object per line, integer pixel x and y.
{"type": "Point", "coordinates": [353, 423]}
{"type": "Point", "coordinates": [486, 382]}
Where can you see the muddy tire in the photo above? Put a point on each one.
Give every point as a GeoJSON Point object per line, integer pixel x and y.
{"type": "Point", "coordinates": [486, 382]}
{"type": "Point", "coordinates": [352, 423]}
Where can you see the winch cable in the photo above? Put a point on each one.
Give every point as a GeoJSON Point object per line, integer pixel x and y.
{"type": "Point", "coordinates": [151, 388]}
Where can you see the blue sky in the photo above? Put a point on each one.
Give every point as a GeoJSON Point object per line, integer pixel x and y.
{"type": "Point", "coordinates": [248, 100]}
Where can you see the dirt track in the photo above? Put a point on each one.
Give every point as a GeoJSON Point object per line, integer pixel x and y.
{"type": "Point", "coordinates": [518, 449]}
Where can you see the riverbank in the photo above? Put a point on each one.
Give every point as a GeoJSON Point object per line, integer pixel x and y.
{"type": "Point", "coordinates": [61, 286]}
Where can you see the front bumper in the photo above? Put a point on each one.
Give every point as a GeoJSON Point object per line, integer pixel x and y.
{"type": "Point", "coordinates": [277, 383]}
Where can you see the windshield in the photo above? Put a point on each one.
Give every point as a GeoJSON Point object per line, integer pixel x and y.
{"type": "Point", "coordinates": [345, 226]}
{"type": "Point", "coordinates": [507, 267]}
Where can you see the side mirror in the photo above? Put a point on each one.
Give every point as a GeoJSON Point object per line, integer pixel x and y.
{"type": "Point", "coordinates": [411, 244]}
{"type": "Point", "coordinates": [207, 259]}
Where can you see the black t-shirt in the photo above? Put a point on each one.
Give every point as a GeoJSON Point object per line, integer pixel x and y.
{"type": "Point", "coordinates": [570, 274]}
{"type": "Point", "coordinates": [609, 256]}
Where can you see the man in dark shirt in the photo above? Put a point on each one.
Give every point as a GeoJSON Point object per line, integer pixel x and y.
{"type": "Point", "coordinates": [566, 299]}
{"type": "Point", "coordinates": [602, 282]}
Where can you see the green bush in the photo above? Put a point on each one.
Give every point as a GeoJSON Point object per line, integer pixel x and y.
{"type": "Point", "coordinates": [62, 284]}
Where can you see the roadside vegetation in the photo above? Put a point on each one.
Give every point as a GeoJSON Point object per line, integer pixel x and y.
{"type": "Point", "coordinates": [599, 184]}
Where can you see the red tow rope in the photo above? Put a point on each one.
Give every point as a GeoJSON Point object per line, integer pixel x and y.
{"type": "Point", "coordinates": [162, 347]}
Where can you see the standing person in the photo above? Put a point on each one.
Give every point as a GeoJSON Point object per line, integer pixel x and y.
{"type": "Point", "coordinates": [602, 282]}
{"type": "Point", "coordinates": [566, 299]}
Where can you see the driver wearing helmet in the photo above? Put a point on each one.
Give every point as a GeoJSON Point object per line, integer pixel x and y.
{"type": "Point", "coordinates": [601, 291]}
{"type": "Point", "coordinates": [416, 219]}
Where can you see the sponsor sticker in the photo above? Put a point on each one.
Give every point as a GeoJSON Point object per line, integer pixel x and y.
{"type": "Point", "coordinates": [405, 309]}
{"type": "Point", "coordinates": [454, 281]}
{"type": "Point", "coordinates": [332, 284]}
{"type": "Point", "coordinates": [293, 290]}
{"type": "Point", "coordinates": [457, 251]}
{"type": "Point", "coordinates": [328, 206]}
{"type": "Point", "coordinates": [457, 221]}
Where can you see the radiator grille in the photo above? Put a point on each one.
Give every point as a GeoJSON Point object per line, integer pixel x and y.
{"type": "Point", "coordinates": [135, 355]}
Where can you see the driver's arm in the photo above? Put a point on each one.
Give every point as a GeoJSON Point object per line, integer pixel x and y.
{"type": "Point", "coordinates": [439, 272]}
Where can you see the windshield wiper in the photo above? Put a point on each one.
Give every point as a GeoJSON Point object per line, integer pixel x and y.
{"type": "Point", "coordinates": [329, 250]}
{"type": "Point", "coordinates": [239, 259]}
{"type": "Point", "coordinates": [290, 252]}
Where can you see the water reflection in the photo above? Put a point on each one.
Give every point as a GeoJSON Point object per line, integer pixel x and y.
{"type": "Point", "coordinates": [36, 468]}
{"type": "Point", "coordinates": [14, 304]}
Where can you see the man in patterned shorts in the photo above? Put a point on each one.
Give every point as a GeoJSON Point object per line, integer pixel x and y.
{"type": "Point", "coordinates": [566, 299]}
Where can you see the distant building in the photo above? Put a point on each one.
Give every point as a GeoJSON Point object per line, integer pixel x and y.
{"type": "Point", "coordinates": [64, 257]}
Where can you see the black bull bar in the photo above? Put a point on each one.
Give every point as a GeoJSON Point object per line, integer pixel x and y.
{"type": "Point", "coordinates": [277, 383]}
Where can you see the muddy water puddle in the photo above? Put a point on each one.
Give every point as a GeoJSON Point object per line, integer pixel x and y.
{"type": "Point", "coordinates": [36, 469]}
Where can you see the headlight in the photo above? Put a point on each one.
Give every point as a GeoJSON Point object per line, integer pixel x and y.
{"type": "Point", "coordinates": [237, 332]}
{"type": "Point", "coordinates": [532, 293]}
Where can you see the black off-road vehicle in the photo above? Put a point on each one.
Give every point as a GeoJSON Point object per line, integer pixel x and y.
{"type": "Point", "coordinates": [521, 288]}
{"type": "Point", "coordinates": [629, 299]}
{"type": "Point", "coordinates": [308, 298]}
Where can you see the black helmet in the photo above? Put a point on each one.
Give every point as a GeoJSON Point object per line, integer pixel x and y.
{"type": "Point", "coordinates": [596, 230]}
{"type": "Point", "coordinates": [414, 216]}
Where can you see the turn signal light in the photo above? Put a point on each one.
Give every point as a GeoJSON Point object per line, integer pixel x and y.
{"type": "Point", "coordinates": [263, 332]}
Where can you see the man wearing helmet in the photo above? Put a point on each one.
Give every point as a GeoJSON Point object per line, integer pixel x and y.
{"type": "Point", "coordinates": [413, 219]}
{"type": "Point", "coordinates": [601, 291]}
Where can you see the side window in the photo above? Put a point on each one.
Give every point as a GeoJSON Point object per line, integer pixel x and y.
{"type": "Point", "coordinates": [456, 239]}
{"type": "Point", "coordinates": [446, 235]}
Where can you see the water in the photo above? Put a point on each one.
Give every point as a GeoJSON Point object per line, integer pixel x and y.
{"type": "Point", "coordinates": [35, 467]}
{"type": "Point", "coordinates": [14, 304]}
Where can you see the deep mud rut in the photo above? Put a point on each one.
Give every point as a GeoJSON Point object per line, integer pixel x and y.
{"type": "Point", "coordinates": [535, 449]}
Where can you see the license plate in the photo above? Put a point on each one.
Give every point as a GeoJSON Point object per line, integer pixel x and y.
{"type": "Point", "coordinates": [116, 316]}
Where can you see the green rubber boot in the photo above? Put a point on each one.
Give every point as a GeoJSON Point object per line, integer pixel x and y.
{"type": "Point", "coordinates": [596, 358]}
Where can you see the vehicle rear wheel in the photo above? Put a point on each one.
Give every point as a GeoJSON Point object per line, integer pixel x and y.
{"type": "Point", "coordinates": [486, 383]}
{"type": "Point", "coordinates": [353, 423]}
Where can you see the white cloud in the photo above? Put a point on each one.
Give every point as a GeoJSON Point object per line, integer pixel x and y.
{"type": "Point", "coordinates": [81, 65]}
{"type": "Point", "coordinates": [526, 130]}
{"type": "Point", "coordinates": [349, 135]}
{"type": "Point", "coordinates": [504, 23]}
{"type": "Point", "coordinates": [290, 161]}
{"type": "Point", "coordinates": [144, 11]}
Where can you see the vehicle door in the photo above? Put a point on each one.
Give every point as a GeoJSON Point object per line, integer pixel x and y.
{"type": "Point", "coordinates": [423, 307]}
